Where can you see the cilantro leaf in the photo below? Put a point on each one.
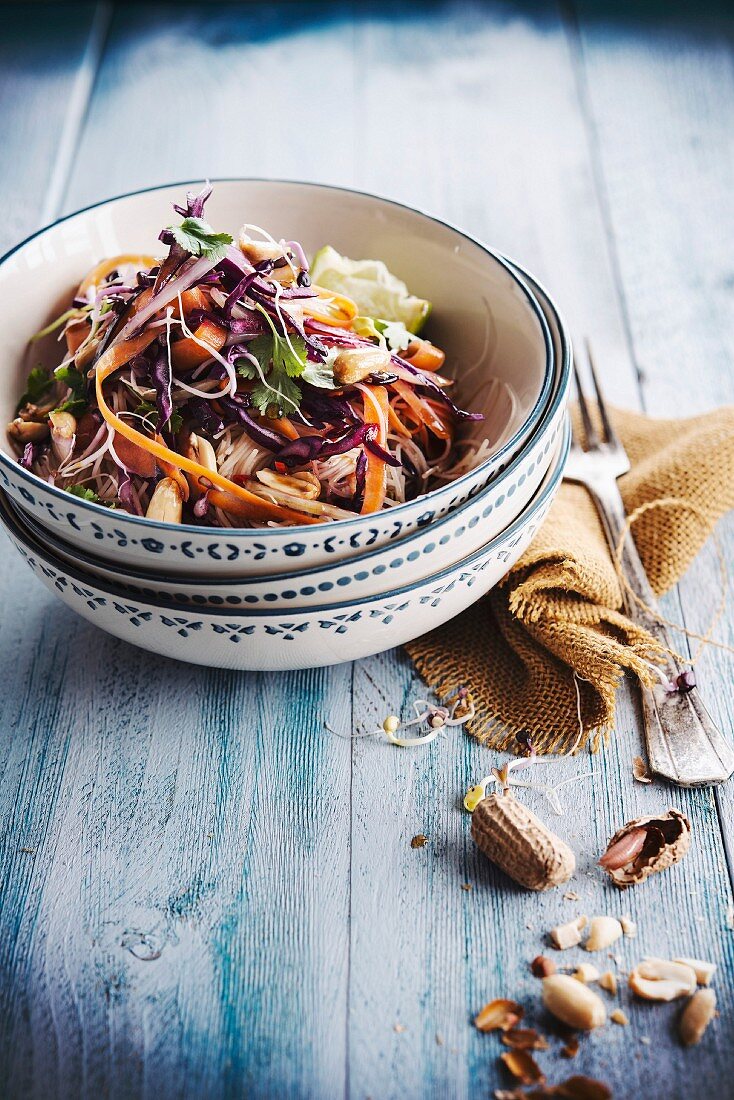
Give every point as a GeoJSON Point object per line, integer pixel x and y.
{"type": "Point", "coordinates": [37, 383]}
{"type": "Point", "coordinates": [280, 391]}
{"type": "Point", "coordinates": [150, 413]}
{"type": "Point", "coordinates": [197, 237]}
{"type": "Point", "coordinates": [85, 493]}
{"type": "Point", "coordinates": [77, 383]}
{"type": "Point", "coordinates": [247, 369]}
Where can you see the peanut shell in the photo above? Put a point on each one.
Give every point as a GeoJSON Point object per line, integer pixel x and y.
{"type": "Point", "coordinates": [667, 841]}
{"type": "Point", "coordinates": [520, 844]}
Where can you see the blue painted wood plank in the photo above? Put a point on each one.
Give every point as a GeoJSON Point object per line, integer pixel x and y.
{"type": "Point", "coordinates": [217, 898]}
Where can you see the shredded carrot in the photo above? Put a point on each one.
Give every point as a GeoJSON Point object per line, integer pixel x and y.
{"type": "Point", "coordinates": [422, 409]}
{"type": "Point", "coordinates": [103, 269]}
{"type": "Point", "coordinates": [253, 506]}
{"type": "Point", "coordinates": [75, 336]}
{"type": "Point", "coordinates": [396, 423]}
{"type": "Point", "coordinates": [187, 353]}
{"type": "Point", "coordinates": [424, 355]}
{"type": "Point", "coordinates": [192, 299]}
{"type": "Point", "coordinates": [375, 483]}
{"type": "Point", "coordinates": [283, 425]}
{"type": "Point", "coordinates": [333, 309]}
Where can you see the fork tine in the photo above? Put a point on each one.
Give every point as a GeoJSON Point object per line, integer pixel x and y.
{"type": "Point", "coordinates": [604, 416]}
{"type": "Point", "coordinates": [592, 437]}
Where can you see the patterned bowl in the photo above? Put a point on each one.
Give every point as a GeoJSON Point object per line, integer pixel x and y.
{"type": "Point", "coordinates": [427, 549]}
{"type": "Point", "coordinates": [270, 639]}
{"type": "Point", "coordinates": [485, 314]}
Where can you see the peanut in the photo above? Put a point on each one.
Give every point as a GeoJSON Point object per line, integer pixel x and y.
{"type": "Point", "coordinates": [355, 364]}
{"type": "Point", "coordinates": [608, 981]}
{"type": "Point", "coordinates": [628, 926]}
{"type": "Point", "coordinates": [586, 973]}
{"type": "Point", "coordinates": [166, 504]}
{"type": "Point", "coordinates": [568, 935]}
{"type": "Point", "coordinates": [520, 844]}
{"type": "Point", "coordinates": [27, 431]}
{"type": "Point", "coordinates": [603, 931]}
{"type": "Point", "coordinates": [542, 967]}
{"type": "Point", "coordinates": [573, 1003]}
{"type": "Point", "coordinates": [662, 980]}
{"type": "Point", "coordinates": [696, 1016]}
{"type": "Point", "coordinates": [302, 484]}
{"type": "Point", "coordinates": [704, 971]}
{"type": "Point", "coordinates": [63, 434]}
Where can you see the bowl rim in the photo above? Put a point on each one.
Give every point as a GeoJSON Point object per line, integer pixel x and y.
{"type": "Point", "coordinates": [190, 579]}
{"type": "Point", "coordinates": [551, 481]}
{"type": "Point", "coordinates": [513, 270]}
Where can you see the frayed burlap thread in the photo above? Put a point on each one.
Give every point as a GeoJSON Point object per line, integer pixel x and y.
{"type": "Point", "coordinates": [558, 615]}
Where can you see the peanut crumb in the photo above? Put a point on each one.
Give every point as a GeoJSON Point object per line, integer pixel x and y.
{"type": "Point", "coordinates": [419, 841]}
{"type": "Point", "coordinates": [439, 1039]}
{"type": "Point", "coordinates": [619, 1017]}
{"type": "Point", "coordinates": [466, 886]}
{"type": "Point", "coordinates": [571, 895]}
{"type": "Point", "coordinates": [645, 1040]}
{"type": "Point", "coordinates": [399, 1028]}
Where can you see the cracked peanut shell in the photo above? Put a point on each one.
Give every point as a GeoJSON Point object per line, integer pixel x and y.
{"type": "Point", "coordinates": [520, 844]}
{"type": "Point", "coordinates": [667, 839]}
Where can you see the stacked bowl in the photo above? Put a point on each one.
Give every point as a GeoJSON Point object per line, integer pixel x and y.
{"type": "Point", "coordinates": [297, 597]}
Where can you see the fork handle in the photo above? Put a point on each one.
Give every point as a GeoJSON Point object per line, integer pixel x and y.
{"type": "Point", "coordinates": [683, 743]}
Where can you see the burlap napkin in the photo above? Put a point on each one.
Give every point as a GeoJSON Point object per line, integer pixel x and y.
{"type": "Point", "coordinates": [558, 610]}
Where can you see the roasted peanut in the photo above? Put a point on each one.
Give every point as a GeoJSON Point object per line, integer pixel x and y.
{"type": "Point", "coordinates": [355, 364]}
{"type": "Point", "coordinates": [166, 504]}
{"type": "Point", "coordinates": [573, 1003]}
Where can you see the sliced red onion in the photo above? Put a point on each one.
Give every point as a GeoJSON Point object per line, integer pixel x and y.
{"type": "Point", "coordinates": [264, 437]}
{"type": "Point", "coordinates": [298, 451]}
{"type": "Point", "coordinates": [374, 447]}
{"type": "Point", "coordinates": [299, 254]}
{"type": "Point", "coordinates": [205, 416]}
{"type": "Point", "coordinates": [126, 495]}
{"type": "Point", "coordinates": [162, 380]}
{"type": "Point", "coordinates": [194, 203]}
{"type": "Point", "coordinates": [181, 281]}
{"type": "Point", "coordinates": [360, 471]}
{"type": "Point", "coordinates": [428, 383]}
{"type": "Point", "coordinates": [29, 456]}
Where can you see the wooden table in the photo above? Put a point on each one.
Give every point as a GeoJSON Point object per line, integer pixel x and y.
{"type": "Point", "coordinates": [203, 893]}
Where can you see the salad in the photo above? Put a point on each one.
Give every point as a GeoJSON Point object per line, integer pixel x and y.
{"type": "Point", "coordinates": [232, 384]}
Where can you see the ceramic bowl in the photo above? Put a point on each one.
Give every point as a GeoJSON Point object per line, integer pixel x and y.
{"type": "Point", "coordinates": [271, 639]}
{"type": "Point", "coordinates": [484, 314]}
{"type": "Point", "coordinates": [427, 549]}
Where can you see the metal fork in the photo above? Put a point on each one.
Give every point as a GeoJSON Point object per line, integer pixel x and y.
{"type": "Point", "coordinates": [683, 744]}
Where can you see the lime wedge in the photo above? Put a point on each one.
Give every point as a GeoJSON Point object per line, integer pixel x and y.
{"type": "Point", "coordinates": [377, 292]}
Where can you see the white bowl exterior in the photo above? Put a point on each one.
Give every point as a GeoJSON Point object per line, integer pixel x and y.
{"type": "Point", "coordinates": [302, 638]}
{"type": "Point", "coordinates": [428, 550]}
{"type": "Point", "coordinates": [483, 314]}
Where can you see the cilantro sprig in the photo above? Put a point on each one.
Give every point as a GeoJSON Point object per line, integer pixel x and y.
{"type": "Point", "coordinates": [85, 493]}
{"type": "Point", "coordinates": [281, 361]}
{"type": "Point", "coordinates": [150, 414]}
{"type": "Point", "coordinates": [38, 383]}
{"type": "Point", "coordinates": [77, 383]}
{"type": "Point", "coordinates": [196, 236]}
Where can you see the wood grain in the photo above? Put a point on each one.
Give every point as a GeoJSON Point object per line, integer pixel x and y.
{"type": "Point", "coordinates": [204, 893]}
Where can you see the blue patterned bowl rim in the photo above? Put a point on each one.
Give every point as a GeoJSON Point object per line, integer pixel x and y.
{"type": "Point", "coordinates": [9, 520]}
{"type": "Point", "coordinates": [523, 432]}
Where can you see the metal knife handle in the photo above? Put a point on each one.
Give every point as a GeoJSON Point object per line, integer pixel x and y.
{"type": "Point", "coordinates": [683, 743]}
